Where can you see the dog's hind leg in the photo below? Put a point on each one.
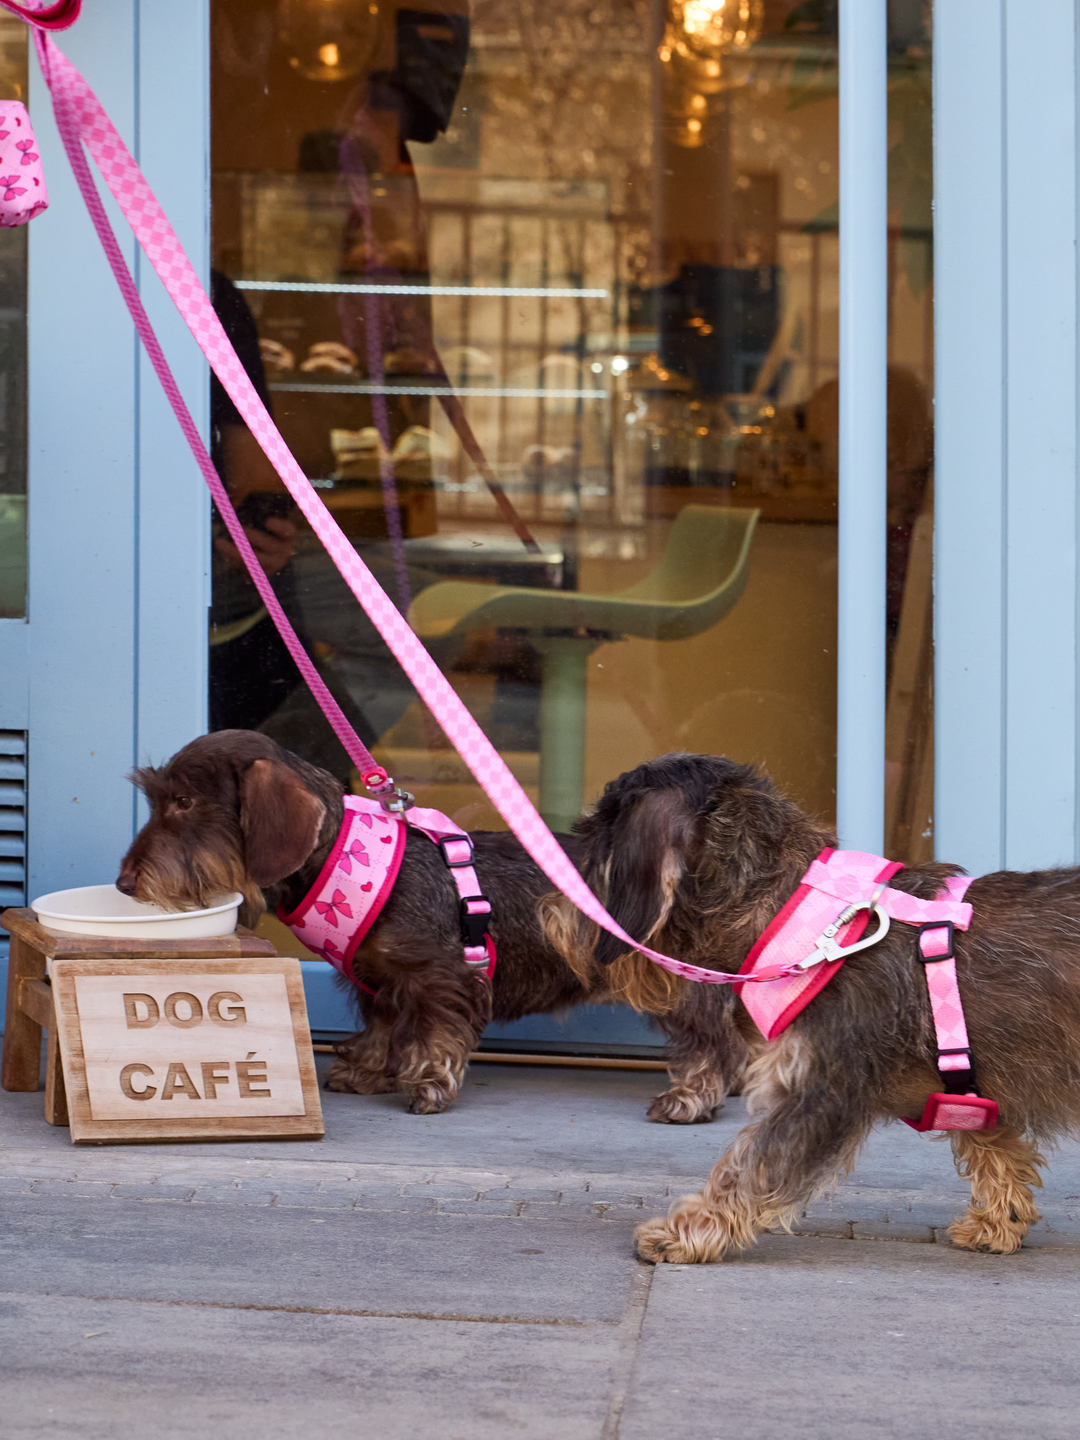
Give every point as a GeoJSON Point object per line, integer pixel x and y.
{"type": "Point", "coordinates": [808, 1139]}
{"type": "Point", "coordinates": [362, 1064]}
{"type": "Point", "coordinates": [708, 1056]}
{"type": "Point", "coordinates": [1002, 1167]}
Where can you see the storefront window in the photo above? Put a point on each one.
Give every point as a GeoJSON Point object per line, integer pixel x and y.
{"type": "Point", "coordinates": [544, 296]}
{"type": "Point", "coordinates": [12, 360]}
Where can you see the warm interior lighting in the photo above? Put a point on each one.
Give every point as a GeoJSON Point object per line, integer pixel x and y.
{"type": "Point", "coordinates": [329, 39]}
{"type": "Point", "coordinates": [713, 28]}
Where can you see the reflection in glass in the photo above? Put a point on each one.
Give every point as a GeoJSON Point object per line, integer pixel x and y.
{"type": "Point", "coordinates": [525, 281]}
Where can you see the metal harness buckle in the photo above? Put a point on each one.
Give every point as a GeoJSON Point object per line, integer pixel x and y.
{"type": "Point", "coordinates": [825, 947]}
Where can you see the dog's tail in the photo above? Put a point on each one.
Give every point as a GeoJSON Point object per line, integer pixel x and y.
{"type": "Point", "coordinates": [639, 844]}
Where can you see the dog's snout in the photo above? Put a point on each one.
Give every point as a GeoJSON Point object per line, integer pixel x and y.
{"type": "Point", "coordinates": [127, 882]}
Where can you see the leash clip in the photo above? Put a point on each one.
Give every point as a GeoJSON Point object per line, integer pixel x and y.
{"type": "Point", "coordinates": [397, 802]}
{"type": "Point", "coordinates": [826, 948]}
{"type": "Point", "coordinates": [391, 797]}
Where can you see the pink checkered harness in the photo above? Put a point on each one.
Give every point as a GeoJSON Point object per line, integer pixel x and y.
{"type": "Point", "coordinates": [811, 941]}
{"type": "Point", "coordinates": [360, 872]}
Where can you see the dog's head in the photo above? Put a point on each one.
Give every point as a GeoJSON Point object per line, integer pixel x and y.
{"type": "Point", "coordinates": [231, 811]}
{"type": "Point", "coordinates": [686, 852]}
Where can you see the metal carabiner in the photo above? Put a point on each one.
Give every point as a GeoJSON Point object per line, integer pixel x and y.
{"type": "Point", "coordinates": [397, 802]}
{"type": "Point", "coordinates": [825, 947]}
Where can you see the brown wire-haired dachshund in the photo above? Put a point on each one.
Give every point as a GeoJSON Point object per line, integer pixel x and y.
{"type": "Point", "coordinates": [733, 851]}
{"type": "Point", "coordinates": [234, 811]}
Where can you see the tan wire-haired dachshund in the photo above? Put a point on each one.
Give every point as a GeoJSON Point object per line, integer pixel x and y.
{"type": "Point", "coordinates": [731, 851]}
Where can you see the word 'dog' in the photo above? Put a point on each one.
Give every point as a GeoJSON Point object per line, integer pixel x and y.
{"type": "Point", "coordinates": [183, 1009]}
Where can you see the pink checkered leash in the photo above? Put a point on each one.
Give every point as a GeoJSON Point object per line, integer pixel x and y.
{"type": "Point", "coordinates": [81, 117]}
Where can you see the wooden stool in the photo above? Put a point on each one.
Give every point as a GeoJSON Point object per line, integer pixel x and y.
{"type": "Point", "coordinates": [30, 1001]}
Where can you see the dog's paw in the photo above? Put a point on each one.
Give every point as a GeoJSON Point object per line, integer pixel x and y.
{"type": "Point", "coordinates": [347, 1078]}
{"type": "Point", "coordinates": [662, 1242]}
{"type": "Point", "coordinates": [429, 1100]}
{"type": "Point", "coordinates": [691, 1234]}
{"type": "Point", "coordinates": [978, 1232]}
{"type": "Point", "coordinates": [682, 1107]}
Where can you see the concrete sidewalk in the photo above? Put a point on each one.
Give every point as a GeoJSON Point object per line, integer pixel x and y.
{"type": "Point", "coordinates": [472, 1274]}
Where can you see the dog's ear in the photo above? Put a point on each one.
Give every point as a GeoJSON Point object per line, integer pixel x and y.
{"type": "Point", "coordinates": [280, 820]}
{"type": "Point", "coordinates": [746, 833]}
{"type": "Point", "coordinates": [649, 854]}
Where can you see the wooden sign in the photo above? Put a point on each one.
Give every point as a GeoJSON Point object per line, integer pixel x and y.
{"type": "Point", "coordinates": [186, 1049]}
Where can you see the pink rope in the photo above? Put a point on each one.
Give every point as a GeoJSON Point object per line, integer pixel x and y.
{"type": "Point", "coordinates": [80, 115]}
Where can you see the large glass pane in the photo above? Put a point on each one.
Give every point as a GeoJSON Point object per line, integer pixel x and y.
{"type": "Point", "coordinates": [577, 259]}
{"type": "Point", "coordinates": [12, 359]}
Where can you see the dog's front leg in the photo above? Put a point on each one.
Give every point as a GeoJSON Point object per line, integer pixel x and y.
{"type": "Point", "coordinates": [437, 1030]}
{"type": "Point", "coordinates": [808, 1138]}
{"type": "Point", "coordinates": [362, 1064]}
{"type": "Point", "coordinates": [1002, 1168]}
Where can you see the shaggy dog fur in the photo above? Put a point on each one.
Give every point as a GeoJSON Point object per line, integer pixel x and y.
{"type": "Point", "coordinates": [732, 851]}
{"type": "Point", "coordinates": [234, 811]}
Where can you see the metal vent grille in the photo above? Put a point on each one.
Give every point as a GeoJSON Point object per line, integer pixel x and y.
{"type": "Point", "coordinates": [12, 818]}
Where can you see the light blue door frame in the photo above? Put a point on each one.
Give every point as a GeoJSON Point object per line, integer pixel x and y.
{"type": "Point", "coordinates": [119, 519]}
{"type": "Point", "coordinates": [109, 669]}
{"type": "Point", "coordinates": [1006, 601]}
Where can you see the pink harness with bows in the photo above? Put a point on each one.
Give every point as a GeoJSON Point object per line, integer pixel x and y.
{"type": "Point", "coordinates": [359, 874]}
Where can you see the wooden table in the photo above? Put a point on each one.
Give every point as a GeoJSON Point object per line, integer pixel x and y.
{"type": "Point", "coordinates": [30, 1001]}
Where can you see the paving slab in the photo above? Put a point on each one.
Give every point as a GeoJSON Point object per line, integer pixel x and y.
{"type": "Point", "coordinates": [487, 1267]}
{"type": "Point", "coordinates": [122, 1370]}
{"type": "Point", "coordinates": [826, 1339]}
{"type": "Point", "coordinates": [521, 1141]}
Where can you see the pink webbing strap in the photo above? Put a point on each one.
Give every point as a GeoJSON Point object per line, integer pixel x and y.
{"type": "Point", "coordinates": [939, 961]}
{"type": "Point", "coordinates": [474, 907]}
{"type": "Point", "coordinates": [81, 115]}
{"type": "Point", "coordinates": [959, 1106]}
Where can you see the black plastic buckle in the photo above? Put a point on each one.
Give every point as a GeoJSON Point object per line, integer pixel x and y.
{"type": "Point", "coordinates": [474, 927]}
{"type": "Point", "coordinates": [938, 925]}
{"type": "Point", "coordinates": [957, 1082]}
{"type": "Point", "coordinates": [445, 840]}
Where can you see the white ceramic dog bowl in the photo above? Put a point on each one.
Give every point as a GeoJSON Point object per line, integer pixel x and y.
{"type": "Point", "coordinates": [103, 910]}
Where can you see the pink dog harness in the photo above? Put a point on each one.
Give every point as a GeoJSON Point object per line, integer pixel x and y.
{"type": "Point", "coordinates": [359, 874]}
{"type": "Point", "coordinates": [809, 936]}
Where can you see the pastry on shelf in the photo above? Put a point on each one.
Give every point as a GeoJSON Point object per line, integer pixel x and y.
{"type": "Point", "coordinates": [330, 355]}
{"type": "Point", "coordinates": [276, 356]}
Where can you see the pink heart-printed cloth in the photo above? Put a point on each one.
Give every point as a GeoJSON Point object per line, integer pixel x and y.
{"type": "Point", "coordinates": [353, 885]}
{"type": "Point", "coordinates": [22, 180]}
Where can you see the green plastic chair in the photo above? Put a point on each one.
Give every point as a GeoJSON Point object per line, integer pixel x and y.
{"type": "Point", "coordinates": [700, 576]}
